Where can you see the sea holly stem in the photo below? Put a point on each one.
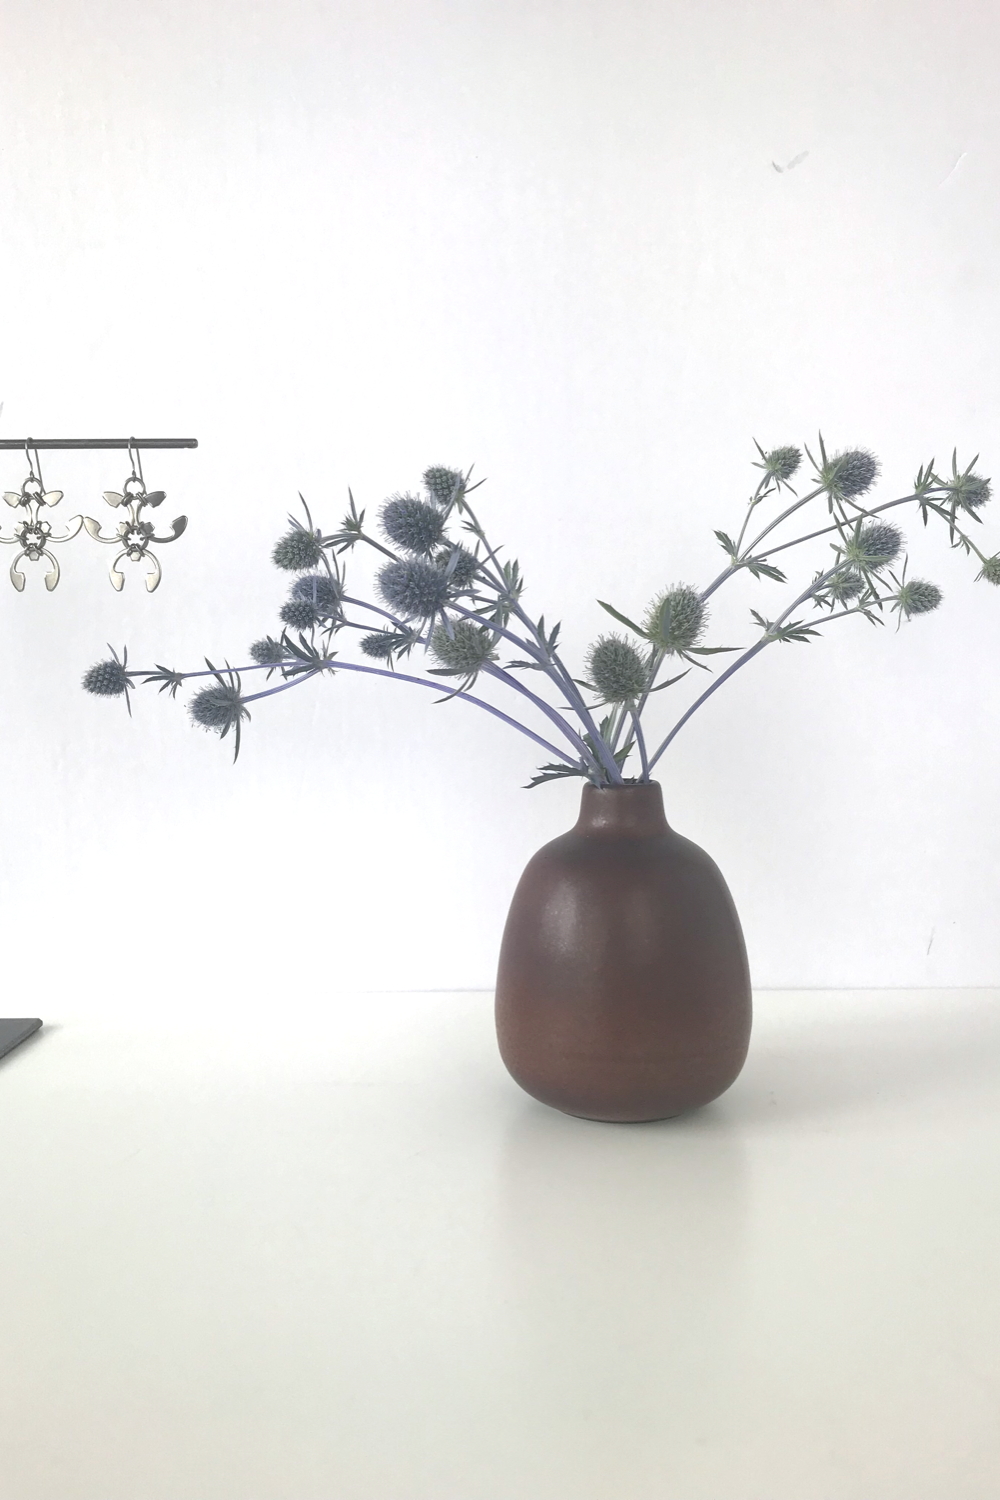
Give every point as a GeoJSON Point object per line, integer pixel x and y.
{"type": "Point", "coordinates": [766, 639]}
{"type": "Point", "coordinates": [566, 683]}
{"type": "Point", "coordinates": [640, 740]}
{"type": "Point", "coordinates": [741, 561]}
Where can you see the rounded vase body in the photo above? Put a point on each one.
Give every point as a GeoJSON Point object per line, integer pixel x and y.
{"type": "Point", "coordinates": [623, 990]}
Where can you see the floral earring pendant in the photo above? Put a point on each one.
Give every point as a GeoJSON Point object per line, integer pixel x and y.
{"type": "Point", "coordinates": [33, 535]}
{"type": "Point", "coordinates": [135, 536]}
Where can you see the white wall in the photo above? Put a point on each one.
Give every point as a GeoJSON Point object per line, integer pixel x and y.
{"type": "Point", "coordinates": [339, 241]}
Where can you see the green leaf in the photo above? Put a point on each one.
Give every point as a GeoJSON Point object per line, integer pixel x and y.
{"type": "Point", "coordinates": [669, 682]}
{"type": "Point", "coordinates": [623, 619]}
{"type": "Point", "coordinates": [712, 650]}
{"type": "Point", "coordinates": [726, 543]}
{"type": "Point", "coordinates": [555, 772]}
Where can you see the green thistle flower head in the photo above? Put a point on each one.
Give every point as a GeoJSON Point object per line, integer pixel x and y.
{"type": "Point", "coordinates": [444, 485]}
{"type": "Point", "coordinates": [298, 550]}
{"type": "Point", "coordinates": [781, 463]}
{"type": "Point", "coordinates": [990, 570]}
{"type": "Point", "coordinates": [465, 651]}
{"type": "Point", "coordinates": [873, 545]}
{"type": "Point", "coordinates": [268, 652]}
{"type": "Point", "coordinates": [918, 597]}
{"type": "Point", "coordinates": [411, 523]}
{"type": "Point", "coordinates": [616, 670]}
{"type": "Point", "coordinates": [413, 588]}
{"type": "Point", "coordinates": [675, 621]}
{"type": "Point", "coordinates": [108, 679]}
{"type": "Point", "coordinates": [844, 586]}
{"type": "Point", "coordinates": [970, 491]}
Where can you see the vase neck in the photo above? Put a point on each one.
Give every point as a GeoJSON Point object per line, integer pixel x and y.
{"type": "Point", "coordinates": [623, 811]}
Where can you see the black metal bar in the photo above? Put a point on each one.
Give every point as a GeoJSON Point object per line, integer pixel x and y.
{"type": "Point", "coordinates": [20, 444]}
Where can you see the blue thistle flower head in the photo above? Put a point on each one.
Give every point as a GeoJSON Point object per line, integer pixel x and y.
{"type": "Point", "coordinates": [297, 550]}
{"type": "Point", "coordinates": [320, 590]}
{"type": "Point", "coordinates": [220, 707]}
{"type": "Point", "coordinates": [849, 473]}
{"type": "Point", "coordinates": [413, 588]}
{"type": "Point", "coordinates": [781, 463]}
{"type": "Point", "coordinates": [873, 545]}
{"type": "Point", "coordinates": [675, 621]}
{"type": "Point", "coordinates": [460, 565]}
{"type": "Point", "coordinates": [108, 679]}
{"type": "Point", "coordinates": [990, 570]}
{"type": "Point", "coordinates": [300, 614]}
{"type": "Point", "coordinates": [444, 485]}
{"type": "Point", "coordinates": [381, 645]}
{"type": "Point", "coordinates": [412, 524]}
{"type": "Point", "coordinates": [466, 651]}
{"type": "Point", "coordinates": [269, 652]}
{"type": "Point", "coordinates": [616, 669]}
{"type": "Point", "coordinates": [918, 597]}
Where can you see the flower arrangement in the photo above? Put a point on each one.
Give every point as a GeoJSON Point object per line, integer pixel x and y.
{"type": "Point", "coordinates": [456, 601]}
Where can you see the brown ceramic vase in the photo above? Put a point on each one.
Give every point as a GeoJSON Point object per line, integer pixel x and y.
{"type": "Point", "coordinates": [623, 990]}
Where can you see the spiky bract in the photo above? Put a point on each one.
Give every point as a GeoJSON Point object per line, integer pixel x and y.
{"type": "Point", "coordinates": [299, 614]}
{"type": "Point", "coordinates": [108, 679]}
{"type": "Point", "coordinates": [320, 590]}
{"type": "Point", "coordinates": [781, 463]}
{"type": "Point", "coordinates": [413, 588]}
{"type": "Point", "coordinates": [676, 620]}
{"type": "Point", "coordinates": [466, 650]}
{"type": "Point", "coordinates": [990, 570]}
{"type": "Point", "coordinates": [268, 652]}
{"type": "Point", "coordinates": [616, 669]}
{"type": "Point", "coordinates": [462, 574]}
{"type": "Point", "coordinates": [873, 545]}
{"type": "Point", "coordinates": [219, 707]}
{"type": "Point", "coordinates": [297, 550]}
{"type": "Point", "coordinates": [444, 485]}
{"type": "Point", "coordinates": [412, 524]}
{"type": "Point", "coordinates": [917, 597]}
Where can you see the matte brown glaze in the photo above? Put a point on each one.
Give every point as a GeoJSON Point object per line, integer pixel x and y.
{"type": "Point", "coordinates": [623, 991]}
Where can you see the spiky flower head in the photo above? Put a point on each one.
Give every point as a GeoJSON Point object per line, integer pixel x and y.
{"type": "Point", "coordinates": [444, 485]}
{"type": "Point", "coordinates": [676, 620]}
{"type": "Point", "coordinates": [411, 523]}
{"type": "Point", "coordinates": [781, 463]}
{"type": "Point", "coordinates": [465, 651]}
{"type": "Point", "coordinates": [268, 652]}
{"type": "Point", "coordinates": [413, 588]}
{"type": "Point", "coordinates": [616, 669]}
{"type": "Point", "coordinates": [873, 545]}
{"type": "Point", "coordinates": [381, 644]}
{"type": "Point", "coordinates": [844, 586]}
{"type": "Point", "coordinates": [462, 573]}
{"type": "Point", "coordinates": [297, 550]}
{"type": "Point", "coordinates": [108, 679]}
{"type": "Point", "coordinates": [849, 473]}
{"type": "Point", "coordinates": [917, 597]}
{"type": "Point", "coordinates": [219, 707]}
{"type": "Point", "coordinates": [320, 590]}
{"type": "Point", "coordinates": [300, 614]}
{"type": "Point", "coordinates": [990, 569]}
{"type": "Point", "coordinates": [969, 491]}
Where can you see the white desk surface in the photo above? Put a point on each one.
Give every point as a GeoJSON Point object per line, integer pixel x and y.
{"type": "Point", "coordinates": [346, 1259]}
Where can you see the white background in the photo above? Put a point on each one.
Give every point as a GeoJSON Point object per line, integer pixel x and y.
{"type": "Point", "coordinates": [338, 242]}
